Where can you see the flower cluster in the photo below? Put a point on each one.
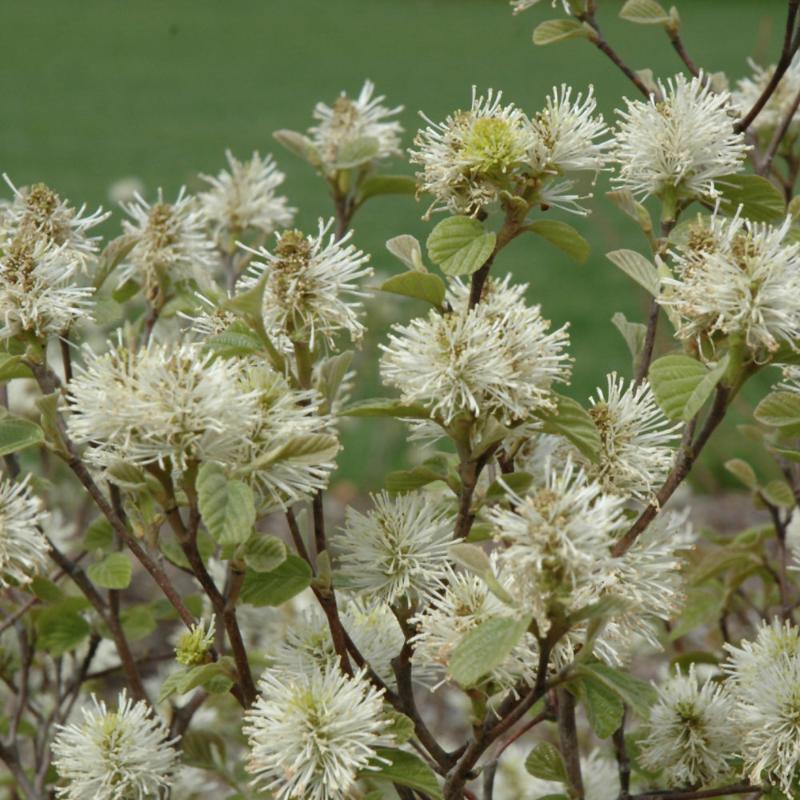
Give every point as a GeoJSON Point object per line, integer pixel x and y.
{"type": "Point", "coordinates": [23, 548]}
{"type": "Point", "coordinates": [478, 157]}
{"type": "Point", "coordinates": [749, 90]}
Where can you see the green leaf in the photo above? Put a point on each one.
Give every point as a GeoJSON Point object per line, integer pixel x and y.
{"type": "Point", "coordinates": [46, 590]}
{"type": "Point", "coordinates": [137, 622]}
{"type": "Point", "coordinates": [604, 708]}
{"type": "Point", "coordinates": [17, 433]}
{"type": "Point", "coordinates": [682, 384]}
{"type": "Point", "coordinates": [113, 572]}
{"type": "Point", "coordinates": [484, 648]}
{"type": "Point", "coordinates": [12, 367]}
{"type": "Point", "coordinates": [298, 144]}
{"type": "Point", "coordinates": [264, 553]}
{"type": "Point", "coordinates": [401, 727]}
{"type": "Point", "coordinates": [545, 762]}
{"type": "Point", "coordinates": [779, 493]}
{"type": "Point", "coordinates": [742, 471]}
{"type": "Point", "coordinates": [460, 246]}
{"type": "Point", "coordinates": [644, 12]}
{"type": "Point", "coordinates": [637, 267]}
{"type": "Point", "coordinates": [759, 198]}
{"type": "Point", "coordinates": [559, 30]}
{"type": "Point", "coordinates": [516, 482]}
{"type": "Point", "coordinates": [384, 407]}
{"type": "Point", "coordinates": [215, 678]}
{"type": "Point", "coordinates": [405, 769]}
{"type": "Point", "coordinates": [357, 152]}
{"type": "Point", "coordinates": [111, 256]}
{"type": "Point", "coordinates": [624, 200]}
{"type": "Point", "coordinates": [408, 480]}
{"type": "Point", "coordinates": [637, 694]}
{"type": "Point", "coordinates": [227, 506]}
{"type": "Point", "coordinates": [704, 605]}
{"type": "Point", "coordinates": [632, 332]}
{"type": "Point", "coordinates": [236, 341]}
{"type": "Point", "coordinates": [61, 629]}
{"type": "Point", "coordinates": [779, 410]}
{"type": "Point", "coordinates": [406, 248]}
{"type": "Point", "coordinates": [387, 184]}
{"type": "Point", "coordinates": [563, 236]}
{"type": "Point", "coordinates": [206, 750]}
{"type": "Point", "coordinates": [330, 375]}
{"type": "Point", "coordinates": [419, 285]}
{"type": "Point", "coordinates": [99, 535]}
{"type": "Point", "coordinates": [311, 448]}
{"type": "Point", "coordinates": [277, 586]}
{"type": "Point", "coordinates": [571, 420]}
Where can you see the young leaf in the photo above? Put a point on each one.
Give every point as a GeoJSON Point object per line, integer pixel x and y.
{"type": "Point", "coordinates": [637, 267]}
{"type": "Point", "coordinates": [779, 410]}
{"type": "Point", "coordinates": [631, 690]}
{"type": "Point", "coordinates": [624, 200]}
{"type": "Point", "coordinates": [61, 629]}
{"type": "Point", "coordinates": [298, 144]}
{"type": "Point", "coordinates": [632, 332]}
{"type": "Point", "coordinates": [384, 407]}
{"type": "Point", "coordinates": [644, 12]}
{"type": "Point", "coordinates": [113, 572]}
{"type": "Point", "coordinates": [227, 506]}
{"type": "Point", "coordinates": [17, 433]}
{"type": "Point", "coordinates": [484, 648]}
{"type": "Point", "coordinates": [99, 535]}
{"type": "Point", "coordinates": [279, 585]}
{"type": "Point", "coordinates": [406, 248]}
{"type": "Point", "coordinates": [743, 471]}
{"type": "Point", "coordinates": [386, 184]}
{"type": "Point", "coordinates": [459, 245]}
{"type": "Point", "coordinates": [563, 236]}
{"type": "Point", "coordinates": [760, 199]}
{"type": "Point", "coordinates": [419, 285]}
{"type": "Point", "coordinates": [682, 384]}
{"type": "Point", "coordinates": [545, 762]}
{"type": "Point", "coordinates": [559, 30]}
{"type": "Point", "coordinates": [357, 152]}
{"type": "Point", "coordinates": [604, 709]}
{"type": "Point", "coordinates": [405, 769]}
{"type": "Point", "coordinates": [571, 420]}
{"type": "Point", "coordinates": [12, 367]}
{"type": "Point", "coordinates": [264, 553]}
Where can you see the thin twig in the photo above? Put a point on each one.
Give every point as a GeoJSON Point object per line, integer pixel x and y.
{"type": "Point", "coordinates": [777, 137]}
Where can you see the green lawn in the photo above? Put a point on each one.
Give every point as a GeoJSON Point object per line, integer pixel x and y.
{"type": "Point", "coordinates": [96, 90]}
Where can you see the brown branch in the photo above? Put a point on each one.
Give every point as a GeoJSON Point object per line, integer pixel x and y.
{"type": "Point", "coordinates": [787, 52]}
{"type": "Point", "coordinates": [686, 457]}
{"type": "Point", "coordinates": [677, 43]}
{"type": "Point", "coordinates": [568, 740]}
{"type": "Point", "coordinates": [623, 761]}
{"type": "Point", "coordinates": [678, 794]}
{"type": "Point", "coordinates": [777, 137]}
{"type": "Point", "coordinates": [646, 356]}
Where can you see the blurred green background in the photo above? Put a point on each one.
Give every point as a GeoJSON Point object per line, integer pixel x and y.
{"type": "Point", "coordinates": [99, 90]}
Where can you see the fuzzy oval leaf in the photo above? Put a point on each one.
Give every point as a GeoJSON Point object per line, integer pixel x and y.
{"type": "Point", "coordinates": [779, 410]}
{"type": "Point", "coordinates": [298, 144]}
{"type": "Point", "coordinates": [681, 384]}
{"type": "Point", "coordinates": [779, 493]}
{"type": "Point", "coordinates": [743, 472]}
{"type": "Point", "coordinates": [571, 420]}
{"type": "Point", "coordinates": [637, 267]}
{"type": "Point", "coordinates": [12, 367]}
{"type": "Point", "coordinates": [113, 572]}
{"type": "Point", "coordinates": [759, 198]}
{"type": "Point", "coordinates": [277, 586]}
{"type": "Point", "coordinates": [264, 553]}
{"type": "Point", "coordinates": [405, 769]}
{"type": "Point", "coordinates": [99, 535]}
{"type": "Point", "coordinates": [387, 184]}
{"type": "Point", "coordinates": [558, 30]}
{"type": "Point", "coordinates": [459, 245]}
{"type": "Point", "coordinates": [17, 433]}
{"type": "Point", "coordinates": [564, 237]}
{"type": "Point", "coordinates": [644, 12]}
{"type": "Point", "coordinates": [485, 648]}
{"type": "Point", "coordinates": [407, 249]}
{"type": "Point", "coordinates": [384, 407]}
{"type": "Point", "coordinates": [227, 506]}
{"type": "Point", "coordinates": [545, 762]}
{"type": "Point", "coordinates": [632, 332]}
{"type": "Point", "coordinates": [604, 709]}
{"type": "Point", "coordinates": [624, 200]}
{"type": "Point", "coordinates": [61, 629]}
{"type": "Point", "coordinates": [419, 285]}
{"type": "Point", "coordinates": [633, 691]}
{"type": "Point", "coordinates": [357, 152]}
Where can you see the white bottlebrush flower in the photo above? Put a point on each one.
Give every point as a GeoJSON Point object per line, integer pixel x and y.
{"type": "Point", "coordinates": [637, 440]}
{"type": "Point", "coordinates": [459, 603]}
{"type": "Point", "coordinates": [124, 754]}
{"type": "Point", "coordinates": [496, 359]}
{"type": "Point", "coordinates": [348, 121]}
{"type": "Point", "coordinates": [691, 736]}
{"type": "Point", "coordinates": [282, 414]}
{"type": "Point", "coordinates": [399, 547]}
{"type": "Point", "coordinates": [308, 283]}
{"type": "Point", "coordinates": [243, 198]}
{"type": "Point", "coordinates": [38, 293]}
{"type": "Point", "coordinates": [40, 213]}
{"type": "Point", "coordinates": [309, 734]}
{"type": "Point", "coordinates": [166, 404]}
{"type": "Point", "coordinates": [468, 159]}
{"type": "Point", "coordinates": [567, 131]}
{"type": "Point", "coordinates": [647, 582]}
{"type": "Point", "coordinates": [555, 543]}
{"type": "Point", "coordinates": [749, 90]}
{"type": "Point", "coordinates": [521, 5]}
{"type": "Point", "coordinates": [23, 549]}
{"type": "Point", "coordinates": [170, 243]}
{"type": "Point", "coordinates": [678, 144]}
{"type": "Point", "coordinates": [735, 277]}
{"type": "Point", "coordinates": [765, 680]}
{"type": "Point", "coordinates": [308, 645]}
